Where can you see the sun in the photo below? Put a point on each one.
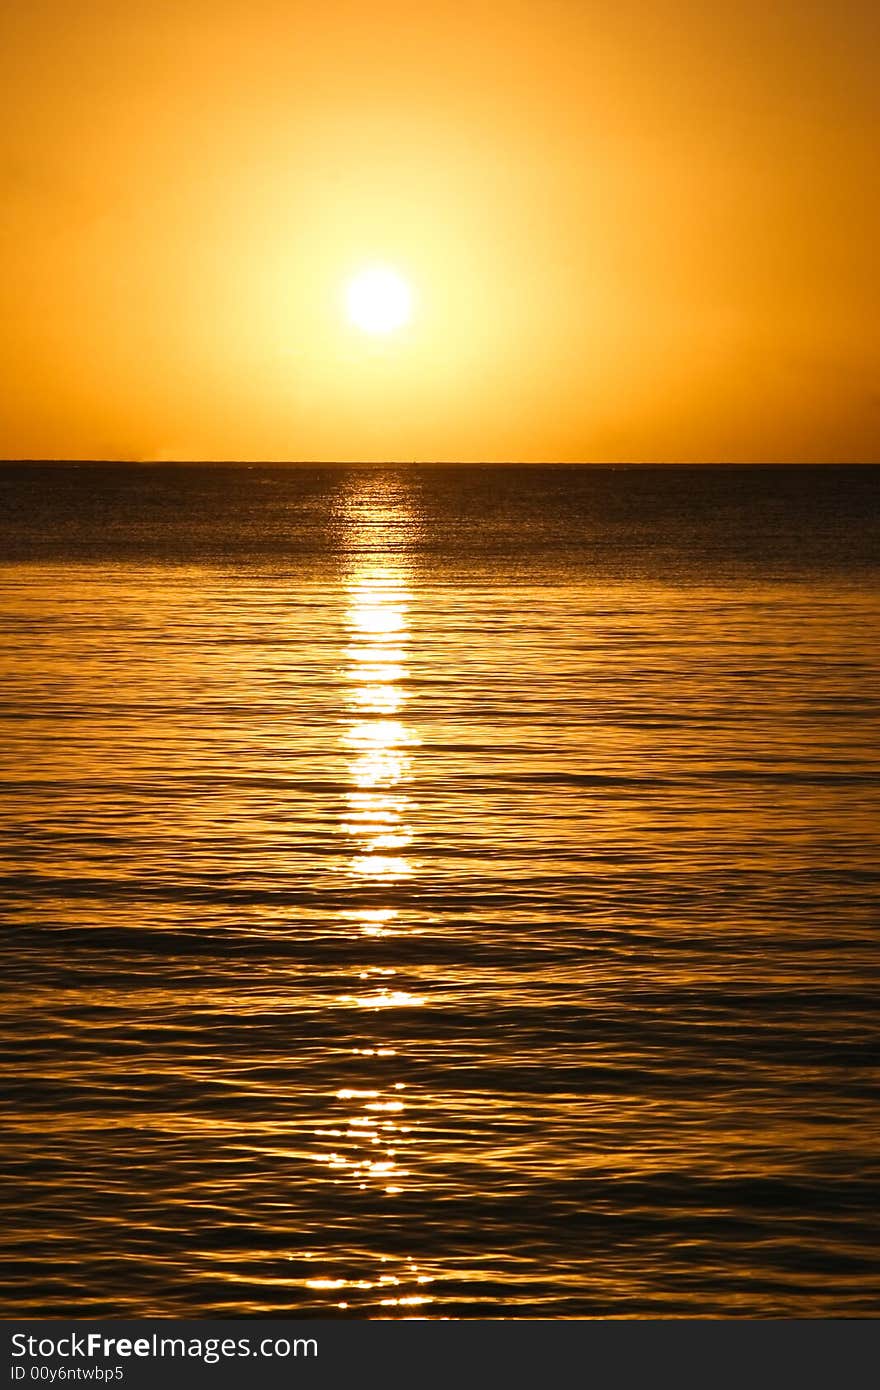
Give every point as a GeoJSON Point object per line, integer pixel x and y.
{"type": "Point", "coordinates": [378, 300]}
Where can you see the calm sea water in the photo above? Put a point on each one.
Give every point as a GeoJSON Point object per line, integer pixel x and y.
{"type": "Point", "coordinates": [440, 892]}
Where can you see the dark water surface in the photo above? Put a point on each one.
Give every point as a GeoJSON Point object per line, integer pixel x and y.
{"type": "Point", "coordinates": [440, 891]}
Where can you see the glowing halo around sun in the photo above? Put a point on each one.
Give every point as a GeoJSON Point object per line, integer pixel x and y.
{"type": "Point", "coordinates": [378, 300]}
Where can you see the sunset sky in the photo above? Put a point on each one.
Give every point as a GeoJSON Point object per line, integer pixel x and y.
{"type": "Point", "coordinates": [636, 230]}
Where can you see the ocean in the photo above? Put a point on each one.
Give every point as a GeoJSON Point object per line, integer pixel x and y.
{"type": "Point", "coordinates": [440, 891]}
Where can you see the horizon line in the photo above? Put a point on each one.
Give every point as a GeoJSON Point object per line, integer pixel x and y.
{"type": "Point", "coordinates": [440, 463]}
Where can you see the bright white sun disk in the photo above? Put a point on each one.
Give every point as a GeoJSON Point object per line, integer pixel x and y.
{"type": "Point", "coordinates": [378, 300]}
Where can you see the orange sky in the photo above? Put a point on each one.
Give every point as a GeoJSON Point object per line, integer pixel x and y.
{"type": "Point", "coordinates": [639, 230]}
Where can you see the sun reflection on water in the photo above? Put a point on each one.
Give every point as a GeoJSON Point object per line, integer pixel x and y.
{"type": "Point", "coordinates": [368, 1140]}
{"type": "Point", "coordinates": [378, 745]}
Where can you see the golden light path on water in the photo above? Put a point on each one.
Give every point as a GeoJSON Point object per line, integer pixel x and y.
{"type": "Point", "coordinates": [377, 742]}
